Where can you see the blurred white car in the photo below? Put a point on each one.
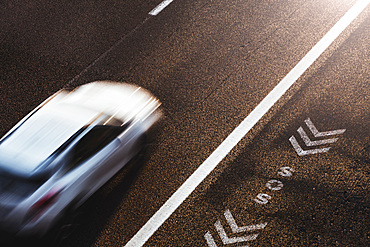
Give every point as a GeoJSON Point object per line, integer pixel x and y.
{"type": "Point", "coordinates": [67, 148]}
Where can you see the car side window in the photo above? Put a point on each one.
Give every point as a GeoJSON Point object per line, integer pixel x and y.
{"type": "Point", "coordinates": [96, 139]}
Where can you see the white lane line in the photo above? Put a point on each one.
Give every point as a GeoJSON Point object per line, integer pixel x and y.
{"type": "Point", "coordinates": [160, 7]}
{"type": "Point", "coordinates": [225, 147]}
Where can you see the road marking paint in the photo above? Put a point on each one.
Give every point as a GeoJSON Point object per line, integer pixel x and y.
{"type": "Point", "coordinates": [316, 133]}
{"type": "Point", "coordinates": [210, 240]}
{"type": "Point", "coordinates": [160, 7]}
{"type": "Point", "coordinates": [226, 240]}
{"type": "Point", "coordinates": [302, 152]}
{"type": "Point", "coordinates": [263, 198]}
{"type": "Point", "coordinates": [270, 183]}
{"type": "Point", "coordinates": [245, 126]}
{"type": "Point", "coordinates": [237, 229]}
{"type": "Point", "coordinates": [310, 143]}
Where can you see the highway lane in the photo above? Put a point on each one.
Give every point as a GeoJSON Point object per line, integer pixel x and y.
{"type": "Point", "coordinates": [311, 200]}
{"type": "Point", "coordinates": [210, 63]}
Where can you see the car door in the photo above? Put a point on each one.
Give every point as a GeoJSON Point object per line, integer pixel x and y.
{"type": "Point", "coordinates": [97, 156]}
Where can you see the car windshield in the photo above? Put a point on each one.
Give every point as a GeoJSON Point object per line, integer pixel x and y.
{"type": "Point", "coordinates": [40, 136]}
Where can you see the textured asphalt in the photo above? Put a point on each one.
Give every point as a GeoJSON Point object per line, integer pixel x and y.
{"type": "Point", "coordinates": [210, 63]}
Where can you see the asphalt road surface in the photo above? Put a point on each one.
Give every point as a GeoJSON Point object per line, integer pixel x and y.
{"type": "Point", "coordinates": [298, 177]}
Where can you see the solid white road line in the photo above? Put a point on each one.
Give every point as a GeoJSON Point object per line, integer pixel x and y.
{"type": "Point", "coordinates": [221, 151]}
{"type": "Point", "coordinates": [160, 7]}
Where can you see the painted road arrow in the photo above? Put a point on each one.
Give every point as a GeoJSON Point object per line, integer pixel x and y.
{"type": "Point", "coordinates": [235, 229]}
{"type": "Point", "coordinates": [311, 143]}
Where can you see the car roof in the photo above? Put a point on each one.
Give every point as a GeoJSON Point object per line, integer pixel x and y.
{"type": "Point", "coordinates": [123, 101]}
{"type": "Point", "coordinates": [28, 144]}
{"type": "Point", "coordinates": [43, 133]}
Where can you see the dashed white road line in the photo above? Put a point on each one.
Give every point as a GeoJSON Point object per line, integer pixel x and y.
{"type": "Point", "coordinates": [160, 7]}
{"type": "Point", "coordinates": [245, 126]}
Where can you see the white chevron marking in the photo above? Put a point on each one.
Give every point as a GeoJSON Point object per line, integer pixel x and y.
{"type": "Point", "coordinates": [210, 240]}
{"type": "Point", "coordinates": [302, 152]}
{"type": "Point", "coordinates": [310, 143]}
{"type": "Point", "coordinates": [316, 133]}
{"type": "Point", "coordinates": [226, 240]}
{"type": "Point", "coordinates": [234, 227]}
